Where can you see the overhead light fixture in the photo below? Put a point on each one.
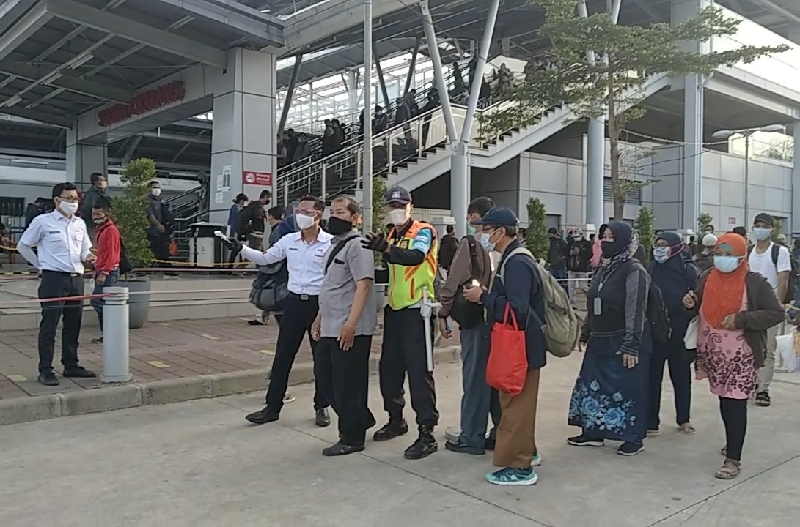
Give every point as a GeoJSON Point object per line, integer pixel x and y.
{"type": "Point", "coordinates": [79, 60]}
{"type": "Point", "coordinates": [50, 77]}
{"type": "Point", "coordinates": [8, 103]}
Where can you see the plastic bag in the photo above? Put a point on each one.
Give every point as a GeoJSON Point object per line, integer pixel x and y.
{"type": "Point", "coordinates": [508, 361]}
{"type": "Point", "coordinates": [789, 350]}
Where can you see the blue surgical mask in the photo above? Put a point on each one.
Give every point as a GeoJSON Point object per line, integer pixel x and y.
{"type": "Point", "coordinates": [761, 233]}
{"type": "Point", "coordinates": [485, 243]}
{"type": "Point", "coordinates": [726, 264]}
{"type": "Point", "coordinates": [661, 254]}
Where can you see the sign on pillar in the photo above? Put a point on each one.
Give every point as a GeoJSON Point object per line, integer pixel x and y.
{"type": "Point", "coordinates": [262, 179]}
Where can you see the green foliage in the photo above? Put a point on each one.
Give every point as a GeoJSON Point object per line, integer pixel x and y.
{"type": "Point", "coordinates": [644, 229]}
{"type": "Point", "coordinates": [613, 86]}
{"type": "Point", "coordinates": [536, 234]}
{"type": "Point", "coordinates": [378, 212]}
{"type": "Point", "coordinates": [704, 220]}
{"type": "Point", "coordinates": [777, 229]}
{"type": "Point", "coordinates": [130, 211]}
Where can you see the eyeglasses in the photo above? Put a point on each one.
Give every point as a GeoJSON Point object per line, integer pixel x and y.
{"type": "Point", "coordinates": [69, 199]}
{"type": "Point", "coordinates": [307, 212]}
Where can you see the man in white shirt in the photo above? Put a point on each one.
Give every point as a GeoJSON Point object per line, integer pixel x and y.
{"type": "Point", "coordinates": [773, 262]}
{"type": "Point", "coordinates": [62, 245]}
{"type": "Point", "coordinates": [304, 252]}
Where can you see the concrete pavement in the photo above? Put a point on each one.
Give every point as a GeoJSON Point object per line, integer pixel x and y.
{"type": "Point", "coordinates": [200, 464]}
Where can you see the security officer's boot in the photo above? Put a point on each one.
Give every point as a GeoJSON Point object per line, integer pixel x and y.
{"type": "Point", "coordinates": [396, 427]}
{"type": "Point", "coordinates": [424, 446]}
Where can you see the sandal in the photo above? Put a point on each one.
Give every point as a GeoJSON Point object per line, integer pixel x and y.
{"type": "Point", "coordinates": [729, 469]}
{"type": "Point", "coordinates": [686, 428]}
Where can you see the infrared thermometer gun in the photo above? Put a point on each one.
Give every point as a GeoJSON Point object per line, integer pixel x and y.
{"type": "Point", "coordinates": [221, 236]}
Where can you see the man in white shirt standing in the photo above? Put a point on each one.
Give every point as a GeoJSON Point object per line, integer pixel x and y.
{"type": "Point", "coordinates": [773, 262]}
{"type": "Point", "coordinates": [304, 252]}
{"type": "Point", "coordinates": [62, 245]}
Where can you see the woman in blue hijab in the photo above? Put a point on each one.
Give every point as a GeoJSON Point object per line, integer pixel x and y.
{"type": "Point", "coordinates": [675, 275]}
{"type": "Point", "coordinates": [610, 394]}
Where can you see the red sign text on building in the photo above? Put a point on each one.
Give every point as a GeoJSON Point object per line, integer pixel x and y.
{"type": "Point", "coordinates": [263, 179]}
{"type": "Point", "coordinates": [142, 103]}
{"type": "Point", "coordinates": [731, 220]}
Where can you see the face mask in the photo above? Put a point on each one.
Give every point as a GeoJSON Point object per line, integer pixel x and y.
{"type": "Point", "coordinates": [661, 254]}
{"type": "Point", "coordinates": [338, 226]}
{"type": "Point", "coordinates": [102, 186]}
{"type": "Point", "coordinates": [485, 243]}
{"type": "Point", "coordinates": [398, 216]}
{"type": "Point", "coordinates": [155, 191]}
{"type": "Point", "coordinates": [607, 247]}
{"type": "Point", "coordinates": [470, 229]}
{"type": "Point", "coordinates": [100, 221]}
{"type": "Point", "coordinates": [761, 233]}
{"type": "Point", "coordinates": [68, 208]}
{"type": "Point", "coordinates": [726, 264]}
{"type": "Point", "coordinates": [303, 222]}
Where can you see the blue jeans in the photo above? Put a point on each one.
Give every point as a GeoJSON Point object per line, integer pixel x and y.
{"type": "Point", "coordinates": [97, 303]}
{"type": "Point", "coordinates": [476, 401]}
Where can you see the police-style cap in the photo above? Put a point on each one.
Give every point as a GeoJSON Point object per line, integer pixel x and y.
{"type": "Point", "coordinates": [500, 216]}
{"type": "Point", "coordinates": [397, 194]}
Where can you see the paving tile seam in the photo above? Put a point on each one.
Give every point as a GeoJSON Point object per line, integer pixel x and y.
{"type": "Point", "coordinates": [719, 493]}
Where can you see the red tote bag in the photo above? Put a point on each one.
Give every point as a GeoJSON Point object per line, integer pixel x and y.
{"type": "Point", "coordinates": [508, 361]}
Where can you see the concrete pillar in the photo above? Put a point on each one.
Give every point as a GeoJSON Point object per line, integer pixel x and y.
{"type": "Point", "coordinates": [83, 159]}
{"type": "Point", "coordinates": [692, 172]}
{"type": "Point", "coordinates": [595, 172]}
{"type": "Point", "coordinates": [796, 181]}
{"type": "Point", "coordinates": [244, 133]}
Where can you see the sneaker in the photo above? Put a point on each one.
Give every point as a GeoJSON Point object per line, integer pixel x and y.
{"type": "Point", "coordinates": [453, 433]}
{"type": "Point", "coordinates": [340, 449]}
{"type": "Point", "coordinates": [322, 417]}
{"type": "Point", "coordinates": [629, 448]}
{"type": "Point", "coordinates": [78, 372]}
{"type": "Point", "coordinates": [536, 459]}
{"type": "Point", "coordinates": [462, 448]}
{"type": "Point", "coordinates": [763, 399]}
{"type": "Point", "coordinates": [424, 446]}
{"type": "Point", "coordinates": [394, 428]}
{"type": "Point", "coordinates": [582, 440]}
{"type": "Point", "coordinates": [513, 477]}
{"type": "Point", "coordinates": [47, 378]}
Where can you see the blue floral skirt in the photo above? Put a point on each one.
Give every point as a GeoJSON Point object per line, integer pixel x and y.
{"type": "Point", "coordinates": [609, 401]}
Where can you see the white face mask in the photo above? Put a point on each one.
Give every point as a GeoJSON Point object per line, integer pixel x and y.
{"type": "Point", "coordinates": [398, 217]}
{"type": "Point", "coordinates": [68, 208]}
{"type": "Point", "coordinates": [155, 191]}
{"type": "Point", "coordinates": [102, 186]}
{"type": "Point", "coordinates": [303, 221]}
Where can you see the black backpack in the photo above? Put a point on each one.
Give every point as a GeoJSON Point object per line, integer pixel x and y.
{"type": "Point", "coordinates": [468, 314]}
{"type": "Point", "coordinates": [657, 316]}
{"type": "Point", "coordinates": [125, 265]}
{"type": "Point", "coordinates": [794, 274]}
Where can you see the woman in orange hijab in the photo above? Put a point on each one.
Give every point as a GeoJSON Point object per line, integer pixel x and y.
{"type": "Point", "coordinates": [735, 307]}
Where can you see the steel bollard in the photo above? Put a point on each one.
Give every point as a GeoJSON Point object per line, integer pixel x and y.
{"type": "Point", "coordinates": [116, 350]}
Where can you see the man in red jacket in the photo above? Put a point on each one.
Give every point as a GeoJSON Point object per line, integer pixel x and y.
{"type": "Point", "coordinates": [106, 266]}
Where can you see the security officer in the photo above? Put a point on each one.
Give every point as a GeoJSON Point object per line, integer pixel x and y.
{"type": "Point", "coordinates": [410, 252]}
{"type": "Point", "coordinates": [345, 325]}
{"type": "Point", "coordinates": [62, 247]}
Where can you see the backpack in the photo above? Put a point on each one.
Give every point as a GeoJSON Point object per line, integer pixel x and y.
{"type": "Point", "coordinates": [270, 288]}
{"type": "Point", "coordinates": [794, 273]}
{"type": "Point", "coordinates": [467, 314]}
{"type": "Point", "coordinates": [657, 316]}
{"type": "Point", "coordinates": [561, 325]}
{"type": "Point", "coordinates": [125, 265]}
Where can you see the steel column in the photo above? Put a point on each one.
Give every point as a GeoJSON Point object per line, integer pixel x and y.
{"type": "Point", "coordinates": [412, 66]}
{"type": "Point", "coordinates": [367, 157]}
{"type": "Point", "coordinates": [381, 80]}
{"type": "Point", "coordinates": [290, 92]}
{"type": "Point", "coordinates": [438, 74]}
{"type": "Point", "coordinates": [796, 181]}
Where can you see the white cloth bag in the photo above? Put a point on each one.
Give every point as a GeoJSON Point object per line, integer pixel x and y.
{"type": "Point", "coordinates": [692, 335]}
{"type": "Point", "coordinates": [789, 350]}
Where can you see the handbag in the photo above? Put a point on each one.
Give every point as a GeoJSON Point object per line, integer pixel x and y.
{"type": "Point", "coordinates": [692, 334]}
{"type": "Point", "coordinates": [468, 314]}
{"type": "Point", "coordinates": [508, 360]}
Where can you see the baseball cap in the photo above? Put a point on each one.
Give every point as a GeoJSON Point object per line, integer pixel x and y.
{"type": "Point", "coordinates": [552, 230]}
{"type": "Point", "coordinates": [765, 218]}
{"type": "Point", "coordinates": [709, 240]}
{"type": "Point", "coordinates": [397, 194]}
{"type": "Point", "coordinates": [500, 216]}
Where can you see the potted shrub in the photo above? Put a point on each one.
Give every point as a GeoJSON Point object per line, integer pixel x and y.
{"type": "Point", "coordinates": [378, 224]}
{"type": "Point", "coordinates": [536, 239]}
{"type": "Point", "coordinates": [130, 215]}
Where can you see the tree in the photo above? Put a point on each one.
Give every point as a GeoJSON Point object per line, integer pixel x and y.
{"type": "Point", "coordinates": [777, 229]}
{"type": "Point", "coordinates": [613, 86]}
{"type": "Point", "coordinates": [704, 220]}
{"type": "Point", "coordinates": [130, 211]}
{"type": "Point", "coordinates": [644, 229]}
{"type": "Point", "coordinates": [378, 211]}
{"type": "Point", "coordinates": [536, 234]}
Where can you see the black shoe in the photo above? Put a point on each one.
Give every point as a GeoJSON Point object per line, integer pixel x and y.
{"type": "Point", "coordinates": [262, 417]}
{"type": "Point", "coordinates": [462, 448]}
{"type": "Point", "coordinates": [763, 399]}
{"type": "Point", "coordinates": [630, 449]}
{"type": "Point", "coordinates": [78, 372]}
{"type": "Point", "coordinates": [47, 378]}
{"type": "Point", "coordinates": [340, 449]}
{"type": "Point", "coordinates": [255, 323]}
{"type": "Point", "coordinates": [424, 446]}
{"type": "Point", "coordinates": [98, 340]}
{"type": "Point", "coordinates": [582, 440]}
{"type": "Point", "coordinates": [394, 428]}
{"type": "Point", "coordinates": [490, 443]}
{"type": "Point", "coordinates": [322, 418]}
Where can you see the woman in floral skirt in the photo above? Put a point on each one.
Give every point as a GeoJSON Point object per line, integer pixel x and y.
{"type": "Point", "coordinates": [610, 396]}
{"type": "Point", "coordinates": [735, 308]}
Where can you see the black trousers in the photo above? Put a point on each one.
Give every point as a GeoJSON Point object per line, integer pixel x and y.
{"type": "Point", "coordinates": [59, 285]}
{"type": "Point", "coordinates": [734, 416]}
{"type": "Point", "coordinates": [348, 373]}
{"type": "Point", "coordinates": [403, 350]}
{"type": "Point", "coordinates": [298, 314]}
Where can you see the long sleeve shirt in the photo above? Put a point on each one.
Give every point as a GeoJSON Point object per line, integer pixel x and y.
{"type": "Point", "coordinates": [461, 271]}
{"type": "Point", "coordinates": [109, 248]}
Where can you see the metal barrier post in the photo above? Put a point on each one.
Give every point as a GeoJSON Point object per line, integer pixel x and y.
{"type": "Point", "coordinates": [116, 350]}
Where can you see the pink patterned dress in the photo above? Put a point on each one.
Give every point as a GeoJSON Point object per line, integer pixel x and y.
{"type": "Point", "coordinates": [726, 360]}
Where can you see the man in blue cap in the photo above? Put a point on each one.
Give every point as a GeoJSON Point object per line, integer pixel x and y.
{"type": "Point", "coordinates": [410, 251]}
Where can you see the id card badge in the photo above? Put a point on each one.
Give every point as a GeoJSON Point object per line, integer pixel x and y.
{"type": "Point", "coordinates": [597, 306]}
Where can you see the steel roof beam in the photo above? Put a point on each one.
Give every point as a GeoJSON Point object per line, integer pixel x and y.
{"type": "Point", "coordinates": [24, 29]}
{"type": "Point", "coordinates": [11, 10]}
{"type": "Point", "coordinates": [42, 117]}
{"type": "Point", "coordinates": [67, 81]}
{"type": "Point", "coordinates": [136, 32]}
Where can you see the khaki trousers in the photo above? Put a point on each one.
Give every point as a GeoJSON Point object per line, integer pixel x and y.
{"type": "Point", "coordinates": [516, 435]}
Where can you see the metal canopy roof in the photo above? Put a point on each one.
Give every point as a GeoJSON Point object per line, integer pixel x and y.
{"type": "Point", "coordinates": [61, 58]}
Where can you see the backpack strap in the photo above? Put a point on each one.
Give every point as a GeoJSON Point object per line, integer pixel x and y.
{"type": "Point", "coordinates": [337, 249]}
{"type": "Point", "coordinates": [473, 257]}
{"type": "Point", "coordinates": [776, 251]}
{"type": "Point", "coordinates": [501, 274]}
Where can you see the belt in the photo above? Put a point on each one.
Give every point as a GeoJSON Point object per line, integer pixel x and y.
{"type": "Point", "coordinates": [304, 298]}
{"type": "Point", "coordinates": [63, 273]}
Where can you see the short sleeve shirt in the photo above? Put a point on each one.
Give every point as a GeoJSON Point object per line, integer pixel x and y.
{"type": "Point", "coordinates": [352, 264]}
{"type": "Point", "coordinates": [762, 264]}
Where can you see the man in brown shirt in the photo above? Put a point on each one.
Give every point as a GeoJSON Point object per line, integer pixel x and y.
{"type": "Point", "coordinates": [471, 263]}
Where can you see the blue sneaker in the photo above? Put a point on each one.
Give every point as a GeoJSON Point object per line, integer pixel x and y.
{"type": "Point", "coordinates": [512, 477]}
{"type": "Point", "coordinates": [536, 460]}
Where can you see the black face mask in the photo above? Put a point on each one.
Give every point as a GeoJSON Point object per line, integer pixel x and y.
{"type": "Point", "coordinates": [338, 226]}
